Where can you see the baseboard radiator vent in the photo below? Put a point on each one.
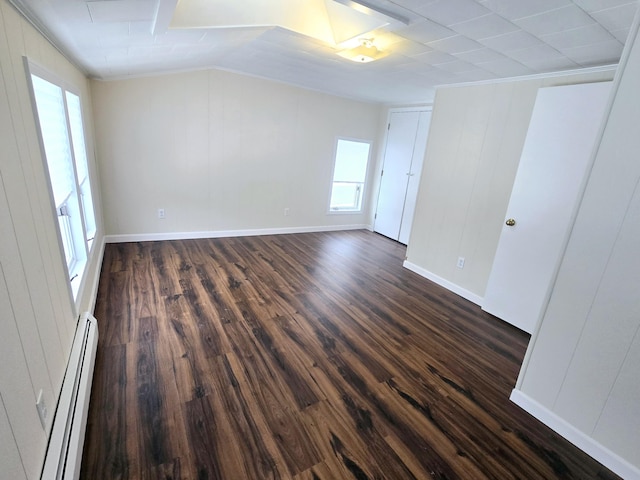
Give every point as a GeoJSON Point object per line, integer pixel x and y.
{"type": "Point", "coordinates": [64, 453]}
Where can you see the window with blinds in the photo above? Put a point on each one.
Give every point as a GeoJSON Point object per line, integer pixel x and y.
{"type": "Point", "coordinates": [349, 174]}
{"type": "Point", "coordinates": [61, 130]}
{"type": "Point", "coordinates": [82, 170]}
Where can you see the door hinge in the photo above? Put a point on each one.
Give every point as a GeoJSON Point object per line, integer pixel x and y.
{"type": "Point", "coordinates": [382, 173]}
{"type": "Point", "coordinates": [375, 216]}
{"type": "Point", "coordinates": [389, 126]}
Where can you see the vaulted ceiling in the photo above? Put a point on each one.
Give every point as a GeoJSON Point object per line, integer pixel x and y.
{"type": "Point", "coordinates": [429, 42]}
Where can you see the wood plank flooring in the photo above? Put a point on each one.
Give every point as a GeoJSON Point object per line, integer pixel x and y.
{"type": "Point", "coordinates": [308, 356]}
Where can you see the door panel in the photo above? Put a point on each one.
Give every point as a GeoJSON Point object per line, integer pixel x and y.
{"type": "Point", "coordinates": [397, 165]}
{"type": "Point", "coordinates": [420, 146]}
{"type": "Point", "coordinates": [553, 165]}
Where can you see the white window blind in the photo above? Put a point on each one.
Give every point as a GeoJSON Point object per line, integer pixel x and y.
{"type": "Point", "coordinates": [77, 136]}
{"type": "Point", "coordinates": [82, 169]}
{"type": "Point", "coordinates": [53, 124]}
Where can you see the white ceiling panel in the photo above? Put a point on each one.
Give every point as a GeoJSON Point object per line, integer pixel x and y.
{"type": "Point", "coordinates": [455, 44]}
{"type": "Point", "coordinates": [115, 54]}
{"type": "Point", "coordinates": [564, 18]}
{"type": "Point", "coordinates": [141, 28]}
{"type": "Point", "coordinates": [288, 39]}
{"type": "Point", "coordinates": [551, 64]}
{"type": "Point", "coordinates": [437, 76]}
{"type": "Point", "coordinates": [506, 68]}
{"type": "Point", "coordinates": [481, 55]}
{"type": "Point", "coordinates": [511, 41]}
{"type": "Point", "coordinates": [618, 18]}
{"type": "Point", "coordinates": [425, 31]}
{"type": "Point", "coordinates": [512, 9]}
{"type": "Point", "coordinates": [110, 42]}
{"type": "Point", "coordinates": [578, 37]}
{"type": "Point", "coordinates": [486, 26]}
{"type": "Point", "coordinates": [150, 51]}
{"type": "Point", "coordinates": [597, 5]}
{"type": "Point", "coordinates": [409, 48]}
{"type": "Point", "coordinates": [429, 42]}
{"type": "Point", "coordinates": [621, 35]}
{"type": "Point", "coordinates": [105, 35]}
{"type": "Point", "coordinates": [122, 10]}
{"type": "Point", "coordinates": [181, 37]}
{"type": "Point", "coordinates": [448, 12]}
{"type": "Point", "coordinates": [435, 57]}
{"type": "Point", "coordinates": [594, 54]}
{"type": "Point", "coordinates": [479, 75]}
{"type": "Point", "coordinates": [414, 5]}
{"type": "Point", "coordinates": [535, 53]}
{"type": "Point", "coordinates": [458, 66]}
{"type": "Point", "coordinates": [75, 12]}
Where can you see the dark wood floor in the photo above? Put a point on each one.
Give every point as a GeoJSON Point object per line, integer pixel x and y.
{"type": "Point", "coordinates": [310, 356]}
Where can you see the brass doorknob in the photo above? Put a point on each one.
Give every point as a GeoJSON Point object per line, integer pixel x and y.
{"type": "Point", "coordinates": [510, 222]}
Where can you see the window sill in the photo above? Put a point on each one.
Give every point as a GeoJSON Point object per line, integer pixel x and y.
{"type": "Point", "coordinates": [345, 212]}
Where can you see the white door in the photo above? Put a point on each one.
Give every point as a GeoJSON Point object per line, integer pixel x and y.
{"type": "Point", "coordinates": [553, 166]}
{"type": "Point", "coordinates": [404, 154]}
{"type": "Point", "coordinates": [411, 198]}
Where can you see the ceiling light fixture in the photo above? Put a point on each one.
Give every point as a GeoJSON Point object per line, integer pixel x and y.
{"type": "Point", "coordinates": [329, 21]}
{"type": "Point", "coordinates": [363, 53]}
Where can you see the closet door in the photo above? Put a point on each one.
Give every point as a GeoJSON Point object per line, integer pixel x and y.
{"type": "Point", "coordinates": [403, 157]}
{"type": "Point", "coordinates": [554, 163]}
{"type": "Point", "coordinates": [414, 177]}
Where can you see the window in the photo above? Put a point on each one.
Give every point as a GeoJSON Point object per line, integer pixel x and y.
{"type": "Point", "coordinates": [62, 134]}
{"type": "Point", "coordinates": [349, 175]}
{"type": "Point", "coordinates": [82, 170]}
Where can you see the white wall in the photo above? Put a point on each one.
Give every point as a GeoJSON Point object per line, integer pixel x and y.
{"type": "Point", "coordinates": [581, 374]}
{"type": "Point", "coordinates": [221, 152]}
{"type": "Point", "coordinates": [37, 313]}
{"type": "Point", "coordinates": [475, 141]}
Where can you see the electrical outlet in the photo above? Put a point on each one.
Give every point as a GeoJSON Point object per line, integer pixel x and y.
{"type": "Point", "coordinates": [460, 263]}
{"type": "Point", "coordinates": [161, 213]}
{"type": "Point", "coordinates": [42, 410]}
{"type": "Point", "coordinates": [286, 212]}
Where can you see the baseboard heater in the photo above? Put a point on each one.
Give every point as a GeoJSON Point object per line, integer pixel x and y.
{"type": "Point", "coordinates": [64, 452]}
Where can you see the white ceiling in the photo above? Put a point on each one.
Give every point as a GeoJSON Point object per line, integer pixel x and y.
{"type": "Point", "coordinates": [442, 42]}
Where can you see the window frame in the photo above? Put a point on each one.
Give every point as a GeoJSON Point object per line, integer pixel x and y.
{"type": "Point", "coordinates": [73, 205]}
{"type": "Point", "coordinates": [360, 209]}
{"type": "Point", "coordinates": [84, 187]}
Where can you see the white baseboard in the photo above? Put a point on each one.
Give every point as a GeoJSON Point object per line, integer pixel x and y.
{"type": "Point", "coordinates": [464, 293]}
{"type": "Point", "coordinates": [150, 237]}
{"type": "Point", "coordinates": [580, 439]}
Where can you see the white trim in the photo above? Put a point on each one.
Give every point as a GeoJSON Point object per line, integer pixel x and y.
{"type": "Point", "coordinates": [150, 237]}
{"type": "Point", "coordinates": [423, 107]}
{"type": "Point", "coordinates": [580, 439]}
{"type": "Point", "coordinates": [346, 212]}
{"type": "Point", "coordinates": [458, 290]}
{"type": "Point", "coordinates": [26, 12]}
{"type": "Point", "coordinates": [535, 76]}
{"type": "Point", "coordinates": [96, 275]}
